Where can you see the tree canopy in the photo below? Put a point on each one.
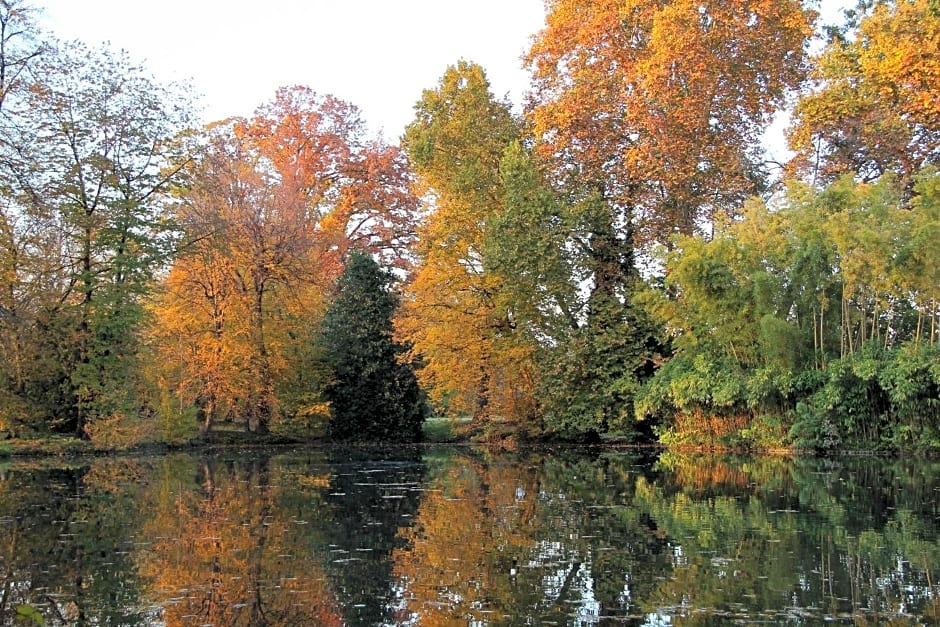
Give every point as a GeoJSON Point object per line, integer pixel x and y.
{"type": "Point", "coordinates": [612, 258]}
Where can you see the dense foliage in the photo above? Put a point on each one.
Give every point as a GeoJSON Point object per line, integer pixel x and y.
{"type": "Point", "coordinates": [817, 315]}
{"type": "Point", "coordinates": [89, 151]}
{"type": "Point", "coordinates": [615, 259]}
{"type": "Point", "coordinates": [373, 394]}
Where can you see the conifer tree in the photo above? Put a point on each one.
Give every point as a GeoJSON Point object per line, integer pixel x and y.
{"type": "Point", "coordinates": [373, 394]}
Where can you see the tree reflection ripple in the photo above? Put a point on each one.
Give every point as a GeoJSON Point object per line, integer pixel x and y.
{"type": "Point", "coordinates": [440, 536]}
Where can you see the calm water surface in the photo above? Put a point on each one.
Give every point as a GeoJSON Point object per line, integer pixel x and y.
{"type": "Point", "coordinates": [455, 536]}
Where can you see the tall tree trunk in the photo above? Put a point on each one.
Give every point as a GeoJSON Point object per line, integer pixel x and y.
{"type": "Point", "coordinates": [920, 326]}
{"type": "Point", "coordinates": [84, 342]}
{"type": "Point", "coordinates": [933, 321]}
{"type": "Point", "coordinates": [259, 412]}
{"type": "Point", "coordinates": [822, 335]}
{"type": "Point", "coordinates": [815, 342]}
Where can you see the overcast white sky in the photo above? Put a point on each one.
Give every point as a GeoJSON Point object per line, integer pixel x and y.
{"type": "Point", "coordinates": [377, 54]}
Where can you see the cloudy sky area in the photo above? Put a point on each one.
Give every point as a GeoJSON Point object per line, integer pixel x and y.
{"type": "Point", "coordinates": [377, 54]}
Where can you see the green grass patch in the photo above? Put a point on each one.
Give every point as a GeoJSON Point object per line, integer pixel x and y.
{"type": "Point", "coordinates": [440, 429]}
{"type": "Point", "coordinates": [52, 445]}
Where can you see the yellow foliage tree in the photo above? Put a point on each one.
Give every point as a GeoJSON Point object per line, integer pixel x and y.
{"type": "Point", "coordinates": [875, 106]}
{"type": "Point", "coordinates": [474, 363]}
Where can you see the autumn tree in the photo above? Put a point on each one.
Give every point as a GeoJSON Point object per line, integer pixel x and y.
{"type": "Point", "coordinates": [373, 394]}
{"type": "Point", "coordinates": [873, 106]}
{"type": "Point", "coordinates": [667, 133]}
{"type": "Point", "coordinates": [202, 340]}
{"type": "Point", "coordinates": [89, 155]}
{"type": "Point", "coordinates": [255, 237]}
{"type": "Point", "coordinates": [474, 365]}
{"type": "Point", "coordinates": [269, 208]}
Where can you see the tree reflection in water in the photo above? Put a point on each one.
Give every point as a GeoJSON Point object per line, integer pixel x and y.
{"type": "Point", "coordinates": [467, 536]}
{"type": "Point", "coordinates": [225, 551]}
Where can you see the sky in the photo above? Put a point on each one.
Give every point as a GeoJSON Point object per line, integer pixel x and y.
{"type": "Point", "coordinates": [376, 54]}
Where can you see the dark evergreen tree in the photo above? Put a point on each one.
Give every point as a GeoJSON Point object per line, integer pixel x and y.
{"type": "Point", "coordinates": [594, 372]}
{"type": "Point", "coordinates": [373, 394]}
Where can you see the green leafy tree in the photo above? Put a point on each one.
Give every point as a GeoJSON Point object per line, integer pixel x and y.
{"type": "Point", "coordinates": [374, 395]}
{"type": "Point", "coordinates": [569, 280]}
{"type": "Point", "coordinates": [88, 152]}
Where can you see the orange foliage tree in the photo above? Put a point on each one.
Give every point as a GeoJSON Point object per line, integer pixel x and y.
{"type": "Point", "coordinates": [875, 104]}
{"type": "Point", "coordinates": [659, 105]}
{"type": "Point", "coordinates": [269, 210]}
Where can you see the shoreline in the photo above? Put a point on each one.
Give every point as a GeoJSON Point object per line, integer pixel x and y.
{"type": "Point", "coordinates": [70, 447]}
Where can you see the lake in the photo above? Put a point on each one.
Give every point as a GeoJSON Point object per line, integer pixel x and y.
{"type": "Point", "coordinates": [466, 536]}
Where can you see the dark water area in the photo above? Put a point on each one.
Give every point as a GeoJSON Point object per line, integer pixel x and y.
{"type": "Point", "coordinates": [459, 536]}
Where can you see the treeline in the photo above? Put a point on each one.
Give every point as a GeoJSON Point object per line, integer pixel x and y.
{"type": "Point", "coordinates": [159, 277]}
{"type": "Point", "coordinates": [618, 259]}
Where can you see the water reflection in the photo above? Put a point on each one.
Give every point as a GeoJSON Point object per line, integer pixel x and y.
{"type": "Point", "coordinates": [232, 546]}
{"type": "Point", "coordinates": [67, 544]}
{"type": "Point", "coordinates": [462, 536]}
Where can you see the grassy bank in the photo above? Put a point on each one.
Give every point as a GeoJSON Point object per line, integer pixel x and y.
{"type": "Point", "coordinates": [436, 430]}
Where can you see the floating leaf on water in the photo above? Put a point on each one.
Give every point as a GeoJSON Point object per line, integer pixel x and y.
{"type": "Point", "coordinates": [29, 613]}
{"type": "Point", "coordinates": [316, 481]}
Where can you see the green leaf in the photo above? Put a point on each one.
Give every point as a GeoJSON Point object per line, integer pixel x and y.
{"type": "Point", "coordinates": [28, 613]}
